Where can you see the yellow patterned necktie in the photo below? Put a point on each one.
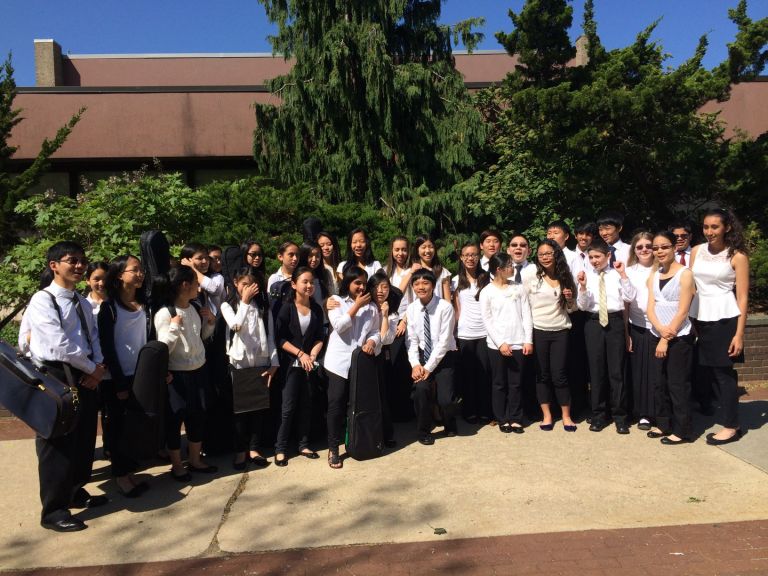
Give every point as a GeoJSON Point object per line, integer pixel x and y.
{"type": "Point", "coordinates": [603, 303]}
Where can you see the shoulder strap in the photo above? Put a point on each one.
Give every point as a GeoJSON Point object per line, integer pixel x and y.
{"type": "Point", "coordinates": [55, 306]}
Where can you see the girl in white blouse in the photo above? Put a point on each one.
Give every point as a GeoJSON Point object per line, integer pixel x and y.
{"type": "Point", "coordinates": [507, 316]}
{"type": "Point", "coordinates": [250, 344]}
{"type": "Point", "coordinates": [551, 293]}
{"type": "Point", "coordinates": [640, 265]}
{"type": "Point", "coordinates": [670, 292]}
{"type": "Point", "coordinates": [471, 335]}
{"type": "Point", "coordinates": [721, 271]}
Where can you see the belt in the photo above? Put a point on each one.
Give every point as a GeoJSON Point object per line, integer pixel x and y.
{"type": "Point", "coordinates": [596, 315]}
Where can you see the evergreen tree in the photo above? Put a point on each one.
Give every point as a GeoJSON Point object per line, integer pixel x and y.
{"type": "Point", "coordinates": [14, 186]}
{"type": "Point", "coordinates": [373, 103]}
{"type": "Point", "coordinates": [622, 131]}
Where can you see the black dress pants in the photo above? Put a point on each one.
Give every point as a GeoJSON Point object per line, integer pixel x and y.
{"type": "Point", "coordinates": [338, 399]}
{"type": "Point", "coordinates": [65, 463]}
{"type": "Point", "coordinates": [551, 349]}
{"type": "Point", "coordinates": [114, 434]}
{"type": "Point", "coordinates": [440, 387]}
{"type": "Point", "coordinates": [672, 384]}
{"type": "Point", "coordinates": [475, 373]}
{"type": "Point", "coordinates": [296, 404]}
{"type": "Point", "coordinates": [605, 354]}
{"type": "Point", "coordinates": [506, 386]}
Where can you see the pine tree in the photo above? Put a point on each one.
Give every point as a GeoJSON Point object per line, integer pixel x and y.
{"type": "Point", "coordinates": [14, 186]}
{"type": "Point", "coordinates": [373, 103]}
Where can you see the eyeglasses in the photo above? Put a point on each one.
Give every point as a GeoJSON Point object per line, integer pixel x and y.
{"type": "Point", "coordinates": [133, 271]}
{"type": "Point", "coordinates": [518, 245]}
{"type": "Point", "coordinates": [470, 256]}
{"type": "Point", "coordinates": [682, 236]}
{"type": "Point", "coordinates": [75, 261]}
{"type": "Point", "coordinates": [662, 247]}
{"type": "Point", "coordinates": [643, 247]}
{"type": "Point", "coordinates": [546, 254]}
{"type": "Point", "coordinates": [255, 254]}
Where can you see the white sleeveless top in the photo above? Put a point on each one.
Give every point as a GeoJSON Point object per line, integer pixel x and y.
{"type": "Point", "coordinates": [667, 301]}
{"type": "Point", "coordinates": [715, 279]}
{"type": "Point", "coordinates": [470, 325]}
{"type": "Point", "coordinates": [638, 307]}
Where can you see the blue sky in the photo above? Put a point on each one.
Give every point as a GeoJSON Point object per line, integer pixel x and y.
{"type": "Point", "coordinates": [175, 26]}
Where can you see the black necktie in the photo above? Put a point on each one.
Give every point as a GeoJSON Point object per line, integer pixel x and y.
{"type": "Point", "coordinates": [613, 256]}
{"type": "Point", "coordinates": [83, 323]}
{"type": "Point", "coordinates": [518, 278]}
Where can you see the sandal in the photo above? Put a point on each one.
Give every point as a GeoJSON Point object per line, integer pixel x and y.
{"type": "Point", "coordinates": [334, 460]}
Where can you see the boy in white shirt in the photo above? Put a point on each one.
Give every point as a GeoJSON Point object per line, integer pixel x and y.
{"type": "Point", "coordinates": [609, 226]}
{"type": "Point", "coordinates": [430, 351]}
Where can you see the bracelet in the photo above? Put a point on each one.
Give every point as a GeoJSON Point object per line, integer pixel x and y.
{"type": "Point", "coordinates": [299, 354]}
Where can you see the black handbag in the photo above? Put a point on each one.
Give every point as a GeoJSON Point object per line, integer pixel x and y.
{"type": "Point", "coordinates": [249, 390]}
{"type": "Point", "coordinates": [47, 405]}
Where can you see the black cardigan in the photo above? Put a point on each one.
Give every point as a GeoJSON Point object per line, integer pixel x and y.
{"type": "Point", "coordinates": [289, 330]}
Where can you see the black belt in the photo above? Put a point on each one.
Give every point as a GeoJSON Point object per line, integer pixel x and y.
{"type": "Point", "coordinates": [596, 315]}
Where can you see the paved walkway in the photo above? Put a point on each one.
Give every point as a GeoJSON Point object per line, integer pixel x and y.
{"type": "Point", "coordinates": [508, 504]}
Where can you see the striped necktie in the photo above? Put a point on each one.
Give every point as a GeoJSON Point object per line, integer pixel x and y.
{"type": "Point", "coordinates": [427, 336]}
{"type": "Point", "coordinates": [602, 312]}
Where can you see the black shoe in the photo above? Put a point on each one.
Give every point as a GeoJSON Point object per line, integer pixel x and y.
{"type": "Point", "coordinates": [85, 500]}
{"type": "Point", "coordinates": [547, 427]}
{"type": "Point", "coordinates": [185, 477]}
{"type": "Point", "coordinates": [712, 441]}
{"type": "Point", "coordinates": [654, 435]}
{"type": "Point", "coordinates": [390, 443]}
{"type": "Point", "coordinates": [669, 442]}
{"type": "Point", "coordinates": [622, 429]}
{"type": "Point", "coordinates": [644, 426]}
{"type": "Point", "coordinates": [67, 525]}
{"type": "Point", "coordinates": [506, 428]}
{"type": "Point", "coordinates": [516, 429]}
{"type": "Point", "coordinates": [426, 440]}
{"type": "Point", "coordinates": [209, 469]}
{"type": "Point", "coordinates": [239, 466]}
{"type": "Point", "coordinates": [470, 419]}
{"type": "Point", "coordinates": [281, 463]}
{"type": "Point", "coordinates": [311, 455]}
{"type": "Point", "coordinates": [449, 432]}
{"type": "Point", "coordinates": [597, 426]}
{"type": "Point", "coordinates": [260, 461]}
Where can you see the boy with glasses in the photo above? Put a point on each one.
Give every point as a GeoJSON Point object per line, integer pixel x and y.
{"type": "Point", "coordinates": [683, 238]}
{"type": "Point", "coordinates": [64, 339]}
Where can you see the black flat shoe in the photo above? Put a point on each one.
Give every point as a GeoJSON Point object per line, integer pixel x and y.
{"type": "Point", "coordinates": [281, 463]}
{"type": "Point", "coordinates": [622, 429]}
{"type": "Point", "coordinates": [655, 435]}
{"type": "Point", "coordinates": [260, 461]}
{"type": "Point", "coordinates": [186, 477]}
{"type": "Point", "coordinates": [67, 525]}
{"type": "Point", "coordinates": [570, 427]}
{"type": "Point", "coordinates": [90, 501]}
{"type": "Point", "coordinates": [516, 429]}
{"type": "Point", "coordinates": [210, 469]}
{"type": "Point", "coordinates": [506, 428]}
{"type": "Point", "coordinates": [311, 455]}
{"type": "Point", "coordinates": [239, 466]}
{"type": "Point", "coordinates": [644, 426]}
{"type": "Point", "coordinates": [547, 427]}
{"type": "Point", "coordinates": [426, 440]}
{"type": "Point", "coordinates": [667, 441]}
{"type": "Point", "coordinates": [597, 426]}
{"type": "Point", "coordinates": [712, 441]}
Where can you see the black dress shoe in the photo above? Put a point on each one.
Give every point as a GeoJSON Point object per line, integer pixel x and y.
{"type": "Point", "coordinates": [516, 429]}
{"type": "Point", "coordinates": [712, 441]}
{"type": "Point", "coordinates": [597, 426]}
{"type": "Point", "coordinates": [669, 442]}
{"type": "Point", "coordinates": [283, 462]}
{"type": "Point", "coordinates": [239, 466]}
{"type": "Point", "coordinates": [67, 525]}
{"type": "Point", "coordinates": [653, 434]}
{"type": "Point", "coordinates": [506, 428]}
{"type": "Point", "coordinates": [449, 432]}
{"type": "Point", "coordinates": [622, 429]}
{"type": "Point", "coordinates": [260, 461]}
{"type": "Point", "coordinates": [426, 440]}
{"type": "Point", "coordinates": [644, 426]}
{"type": "Point", "coordinates": [311, 455]}
{"type": "Point", "coordinates": [210, 469]}
{"type": "Point", "coordinates": [89, 501]}
{"type": "Point", "coordinates": [185, 477]}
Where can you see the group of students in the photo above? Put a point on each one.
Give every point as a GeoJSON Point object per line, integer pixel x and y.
{"type": "Point", "coordinates": [443, 344]}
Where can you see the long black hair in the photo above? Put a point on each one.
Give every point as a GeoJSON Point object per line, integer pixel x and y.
{"type": "Point", "coordinates": [261, 299]}
{"type": "Point", "coordinates": [463, 279]}
{"type": "Point", "coordinates": [165, 288]}
{"type": "Point", "coordinates": [395, 295]}
{"type": "Point", "coordinates": [350, 275]}
{"type": "Point", "coordinates": [436, 264]}
{"type": "Point", "coordinates": [562, 271]}
{"type": "Point", "coordinates": [367, 255]}
{"type": "Point", "coordinates": [92, 267]}
{"type": "Point", "coordinates": [112, 282]}
{"type": "Point", "coordinates": [321, 274]}
{"type": "Point", "coordinates": [498, 260]}
{"type": "Point", "coordinates": [245, 248]}
{"type": "Point", "coordinates": [335, 256]}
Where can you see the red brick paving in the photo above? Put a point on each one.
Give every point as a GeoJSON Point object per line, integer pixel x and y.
{"type": "Point", "coordinates": [723, 549]}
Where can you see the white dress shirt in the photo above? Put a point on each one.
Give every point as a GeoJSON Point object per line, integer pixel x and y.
{"type": "Point", "coordinates": [55, 339]}
{"type": "Point", "coordinates": [249, 342]}
{"type": "Point", "coordinates": [638, 308]}
{"type": "Point", "coordinates": [580, 263]}
{"type": "Point", "coordinates": [570, 256]}
{"type": "Point", "coordinates": [618, 290]}
{"type": "Point", "coordinates": [441, 324]}
{"type": "Point", "coordinates": [622, 251]}
{"type": "Point", "coordinates": [687, 256]}
{"type": "Point", "coordinates": [349, 333]}
{"type": "Point", "coordinates": [214, 290]}
{"type": "Point", "coordinates": [507, 316]}
{"type": "Point", "coordinates": [276, 277]}
{"type": "Point", "coordinates": [370, 269]}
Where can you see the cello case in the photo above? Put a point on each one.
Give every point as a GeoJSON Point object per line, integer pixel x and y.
{"type": "Point", "coordinates": [365, 429]}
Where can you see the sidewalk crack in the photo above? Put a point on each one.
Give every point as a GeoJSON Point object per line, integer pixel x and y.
{"type": "Point", "coordinates": [213, 548]}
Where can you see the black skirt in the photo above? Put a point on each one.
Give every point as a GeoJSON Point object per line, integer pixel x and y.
{"type": "Point", "coordinates": [714, 340]}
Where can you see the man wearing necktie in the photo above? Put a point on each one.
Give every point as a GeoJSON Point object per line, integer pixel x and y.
{"type": "Point", "coordinates": [603, 291]}
{"type": "Point", "coordinates": [431, 346]}
{"type": "Point", "coordinates": [683, 237]}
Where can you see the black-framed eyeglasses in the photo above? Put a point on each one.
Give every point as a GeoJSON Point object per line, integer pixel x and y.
{"type": "Point", "coordinates": [255, 254]}
{"type": "Point", "coordinates": [75, 261]}
{"type": "Point", "coordinates": [682, 236]}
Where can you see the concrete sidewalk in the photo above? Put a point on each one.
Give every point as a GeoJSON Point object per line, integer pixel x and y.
{"type": "Point", "coordinates": [480, 484]}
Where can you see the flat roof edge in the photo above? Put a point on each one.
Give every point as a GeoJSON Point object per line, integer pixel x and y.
{"type": "Point", "coordinates": [179, 55]}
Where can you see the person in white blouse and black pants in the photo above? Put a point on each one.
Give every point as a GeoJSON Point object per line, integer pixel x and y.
{"type": "Point", "coordinates": [431, 347]}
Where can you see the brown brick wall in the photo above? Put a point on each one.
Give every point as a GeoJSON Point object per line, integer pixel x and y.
{"type": "Point", "coordinates": [755, 367]}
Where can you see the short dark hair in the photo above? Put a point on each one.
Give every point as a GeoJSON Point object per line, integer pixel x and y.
{"type": "Point", "coordinates": [61, 249]}
{"type": "Point", "coordinates": [586, 228]}
{"type": "Point", "coordinates": [490, 232]}
{"type": "Point", "coordinates": [424, 274]}
{"type": "Point", "coordinates": [611, 218]}
{"type": "Point", "coordinates": [189, 250]}
{"type": "Point", "coordinates": [560, 224]}
{"type": "Point", "coordinates": [685, 225]}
